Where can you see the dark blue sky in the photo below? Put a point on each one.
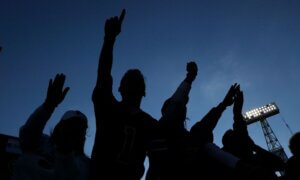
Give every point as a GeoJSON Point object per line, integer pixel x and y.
{"type": "Point", "coordinates": [253, 42]}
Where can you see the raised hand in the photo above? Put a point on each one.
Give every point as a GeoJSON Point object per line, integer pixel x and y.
{"type": "Point", "coordinates": [230, 96]}
{"type": "Point", "coordinates": [113, 25]}
{"type": "Point", "coordinates": [56, 91]}
{"type": "Point", "coordinates": [192, 71]}
{"type": "Point", "coordinates": [238, 102]}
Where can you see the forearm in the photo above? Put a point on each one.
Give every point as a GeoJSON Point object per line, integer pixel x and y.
{"type": "Point", "coordinates": [218, 111]}
{"type": "Point", "coordinates": [38, 119]}
{"type": "Point", "coordinates": [32, 130]}
{"type": "Point", "coordinates": [182, 92]}
{"type": "Point", "coordinates": [104, 79]}
{"type": "Point", "coordinates": [105, 59]}
{"type": "Point", "coordinates": [238, 117]}
{"type": "Point", "coordinates": [221, 108]}
{"type": "Point", "coordinates": [239, 125]}
{"type": "Point", "coordinates": [212, 118]}
{"type": "Point", "coordinates": [176, 103]}
{"type": "Point", "coordinates": [204, 128]}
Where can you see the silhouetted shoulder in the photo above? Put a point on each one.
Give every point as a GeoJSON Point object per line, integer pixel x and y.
{"type": "Point", "coordinates": [148, 116]}
{"type": "Point", "coordinates": [147, 120]}
{"type": "Point", "coordinates": [292, 168]}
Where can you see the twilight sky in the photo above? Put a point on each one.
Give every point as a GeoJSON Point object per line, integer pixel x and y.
{"type": "Point", "coordinates": [252, 42]}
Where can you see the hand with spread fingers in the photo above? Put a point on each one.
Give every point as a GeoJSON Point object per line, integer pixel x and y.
{"type": "Point", "coordinates": [238, 102]}
{"type": "Point", "coordinates": [56, 91]}
{"type": "Point", "coordinates": [230, 96]}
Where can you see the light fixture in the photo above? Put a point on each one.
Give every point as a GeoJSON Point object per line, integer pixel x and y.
{"type": "Point", "coordinates": [260, 113]}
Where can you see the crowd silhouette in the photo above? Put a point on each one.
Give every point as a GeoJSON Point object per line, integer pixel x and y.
{"type": "Point", "coordinates": [125, 134]}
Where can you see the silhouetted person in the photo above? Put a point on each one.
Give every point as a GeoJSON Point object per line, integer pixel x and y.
{"type": "Point", "coordinates": [181, 158]}
{"type": "Point", "coordinates": [292, 170]}
{"type": "Point", "coordinates": [59, 156]}
{"type": "Point", "coordinates": [123, 130]}
{"type": "Point", "coordinates": [239, 143]}
{"type": "Point", "coordinates": [167, 154]}
{"type": "Point", "coordinates": [203, 129]}
{"type": "Point", "coordinates": [208, 159]}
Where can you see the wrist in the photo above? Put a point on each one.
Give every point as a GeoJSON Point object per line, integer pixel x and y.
{"type": "Point", "coordinates": [49, 106]}
{"type": "Point", "coordinates": [110, 38]}
{"type": "Point", "coordinates": [238, 116]}
{"type": "Point", "coordinates": [188, 80]}
{"type": "Point", "coordinates": [222, 105]}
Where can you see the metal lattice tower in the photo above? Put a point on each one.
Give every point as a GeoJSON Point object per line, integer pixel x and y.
{"type": "Point", "coordinates": [261, 114]}
{"type": "Point", "coordinates": [273, 144]}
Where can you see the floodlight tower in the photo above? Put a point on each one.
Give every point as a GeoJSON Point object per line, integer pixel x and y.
{"type": "Point", "coordinates": [261, 114]}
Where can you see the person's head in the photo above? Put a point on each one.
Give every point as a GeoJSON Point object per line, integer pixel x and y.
{"type": "Point", "coordinates": [132, 86]}
{"type": "Point", "coordinates": [71, 131]}
{"type": "Point", "coordinates": [227, 138]}
{"type": "Point", "coordinates": [180, 111]}
{"type": "Point", "coordinates": [295, 144]}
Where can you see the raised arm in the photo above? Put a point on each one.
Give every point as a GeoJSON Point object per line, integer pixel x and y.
{"type": "Point", "coordinates": [32, 130]}
{"type": "Point", "coordinates": [112, 30]}
{"type": "Point", "coordinates": [179, 99]}
{"type": "Point", "coordinates": [182, 92]}
{"type": "Point", "coordinates": [102, 95]}
{"type": "Point", "coordinates": [210, 120]}
{"type": "Point", "coordinates": [239, 125]}
{"type": "Point", "coordinates": [170, 111]}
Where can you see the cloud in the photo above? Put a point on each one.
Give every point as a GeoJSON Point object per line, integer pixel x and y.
{"type": "Point", "coordinates": [227, 71]}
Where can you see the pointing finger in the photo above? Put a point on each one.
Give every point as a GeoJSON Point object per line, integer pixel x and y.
{"type": "Point", "coordinates": [121, 18]}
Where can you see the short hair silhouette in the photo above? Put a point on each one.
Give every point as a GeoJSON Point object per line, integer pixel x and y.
{"type": "Point", "coordinates": [132, 84]}
{"type": "Point", "coordinates": [227, 138]}
{"type": "Point", "coordinates": [72, 123]}
{"type": "Point", "coordinates": [295, 144]}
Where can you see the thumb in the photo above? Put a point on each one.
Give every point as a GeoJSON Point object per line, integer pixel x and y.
{"type": "Point", "coordinates": [65, 92]}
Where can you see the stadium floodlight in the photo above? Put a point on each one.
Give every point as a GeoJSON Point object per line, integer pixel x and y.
{"type": "Point", "coordinates": [261, 113]}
